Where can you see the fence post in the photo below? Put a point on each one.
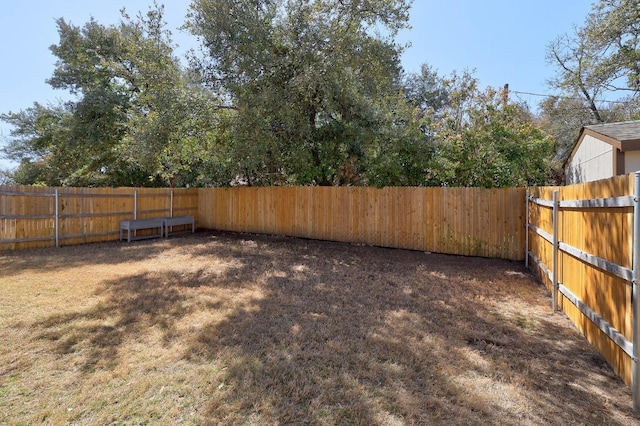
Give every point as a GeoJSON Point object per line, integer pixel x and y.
{"type": "Point", "coordinates": [526, 231]}
{"type": "Point", "coordinates": [171, 204]}
{"type": "Point", "coordinates": [57, 221]}
{"type": "Point", "coordinates": [635, 302]}
{"type": "Point", "coordinates": [554, 289]}
{"type": "Point", "coordinates": [135, 209]}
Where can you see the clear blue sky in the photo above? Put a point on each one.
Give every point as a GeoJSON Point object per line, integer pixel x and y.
{"type": "Point", "coordinates": [503, 40]}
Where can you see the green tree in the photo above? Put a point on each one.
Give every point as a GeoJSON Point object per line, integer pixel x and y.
{"type": "Point", "coordinates": [576, 60]}
{"type": "Point", "coordinates": [39, 143]}
{"type": "Point", "coordinates": [6, 177]}
{"type": "Point", "coordinates": [139, 118]}
{"type": "Point", "coordinates": [562, 118]}
{"type": "Point", "coordinates": [314, 87]}
{"type": "Point", "coordinates": [428, 91]}
{"type": "Point", "coordinates": [480, 139]}
{"type": "Point", "coordinates": [601, 58]}
{"type": "Point", "coordinates": [613, 28]}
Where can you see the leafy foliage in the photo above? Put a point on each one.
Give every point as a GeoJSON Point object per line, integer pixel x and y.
{"type": "Point", "coordinates": [138, 118]}
{"type": "Point", "coordinates": [313, 89]}
{"type": "Point", "coordinates": [601, 58]}
{"type": "Point", "coordinates": [307, 92]}
{"type": "Point", "coordinates": [5, 177]}
{"type": "Point", "coordinates": [477, 137]}
{"type": "Point", "coordinates": [613, 29]}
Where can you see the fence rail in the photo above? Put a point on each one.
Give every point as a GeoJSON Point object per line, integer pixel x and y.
{"type": "Point", "coordinates": [583, 241]}
{"type": "Point", "coordinates": [39, 217]}
{"type": "Point", "coordinates": [464, 221]}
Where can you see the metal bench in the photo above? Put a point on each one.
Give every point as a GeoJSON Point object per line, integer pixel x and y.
{"type": "Point", "coordinates": [170, 222]}
{"type": "Point", "coordinates": [137, 224]}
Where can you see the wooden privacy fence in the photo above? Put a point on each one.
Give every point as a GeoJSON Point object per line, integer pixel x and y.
{"type": "Point", "coordinates": [463, 221]}
{"type": "Point", "coordinates": [42, 216]}
{"type": "Point", "coordinates": [583, 242]}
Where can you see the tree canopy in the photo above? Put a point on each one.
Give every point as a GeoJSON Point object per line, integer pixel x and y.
{"type": "Point", "coordinates": [315, 91]}
{"type": "Point", "coordinates": [139, 118]}
{"type": "Point", "coordinates": [478, 137]}
{"type": "Point", "coordinates": [601, 58]}
{"type": "Point", "coordinates": [597, 75]}
{"type": "Point", "coordinates": [307, 92]}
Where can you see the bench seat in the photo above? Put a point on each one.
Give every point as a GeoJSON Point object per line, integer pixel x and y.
{"type": "Point", "coordinates": [170, 222]}
{"type": "Point", "coordinates": [137, 224]}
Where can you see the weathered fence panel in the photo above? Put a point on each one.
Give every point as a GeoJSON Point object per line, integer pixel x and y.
{"type": "Point", "coordinates": [464, 221]}
{"type": "Point", "coordinates": [581, 245]}
{"type": "Point", "coordinates": [594, 260]}
{"type": "Point", "coordinates": [33, 217]}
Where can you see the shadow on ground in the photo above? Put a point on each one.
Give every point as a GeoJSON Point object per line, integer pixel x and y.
{"type": "Point", "coordinates": [107, 253]}
{"type": "Point", "coordinates": [343, 334]}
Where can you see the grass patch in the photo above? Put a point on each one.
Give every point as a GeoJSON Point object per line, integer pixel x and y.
{"type": "Point", "coordinates": [220, 328]}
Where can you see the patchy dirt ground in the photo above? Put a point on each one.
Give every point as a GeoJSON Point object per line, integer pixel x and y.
{"type": "Point", "coordinates": [222, 328]}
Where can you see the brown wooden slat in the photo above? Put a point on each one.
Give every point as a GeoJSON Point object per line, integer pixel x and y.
{"type": "Point", "coordinates": [605, 232]}
{"type": "Point", "coordinates": [465, 221]}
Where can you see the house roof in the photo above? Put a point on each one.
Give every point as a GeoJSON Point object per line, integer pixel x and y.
{"type": "Point", "coordinates": [624, 131]}
{"type": "Point", "coordinates": [623, 135]}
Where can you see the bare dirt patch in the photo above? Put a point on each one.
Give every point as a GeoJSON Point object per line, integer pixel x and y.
{"type": "Point", "coordinates": [221, 328]}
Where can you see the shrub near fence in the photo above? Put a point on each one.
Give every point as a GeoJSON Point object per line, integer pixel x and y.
{"type": "Point", "coordinates": [30, 216]}
{"type": "Point", "coordinates": [463, 221]}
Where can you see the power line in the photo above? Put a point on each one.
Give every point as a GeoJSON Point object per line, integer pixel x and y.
{"type": "Point", "coordinates": [562, 97]}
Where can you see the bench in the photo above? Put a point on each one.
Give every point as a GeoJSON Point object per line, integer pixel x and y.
{"type": "Point", "coordinates": [170, 222]}
{"type": "Point", "coordinates": [137, 224]}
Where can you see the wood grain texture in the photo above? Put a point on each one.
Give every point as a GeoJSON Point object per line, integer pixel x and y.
{"type": "Point", "coordinates": [603, 232]}
{"type": "Point", "coordinates": [86, 215]}
{"type": "Point", "coordinates": [463, 221]}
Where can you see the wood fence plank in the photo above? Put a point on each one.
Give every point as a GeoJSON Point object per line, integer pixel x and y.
{"type": "Point", "coordinates": [466, 221]}
{"type": "Point", "coordinates": [604, 232]}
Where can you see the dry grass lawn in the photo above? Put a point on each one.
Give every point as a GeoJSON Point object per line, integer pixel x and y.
{"type": "Point", "coordinates": [221, 328]}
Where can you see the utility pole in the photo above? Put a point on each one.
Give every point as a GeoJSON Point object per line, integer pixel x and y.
{"type": "Point", "coordinates": [505, 96]}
